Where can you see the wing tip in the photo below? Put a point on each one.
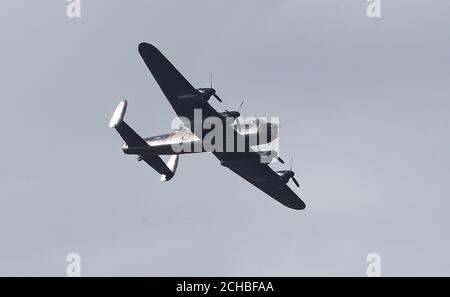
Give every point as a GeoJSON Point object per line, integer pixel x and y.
{"type": "Point", "coordinates": [145, 47]}
{"type": "Point", "coordinates": [300, 206]}
{"type": "Point", "coordinates": [297, 205]}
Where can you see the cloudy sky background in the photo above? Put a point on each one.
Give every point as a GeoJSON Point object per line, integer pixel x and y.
{"type": "Point", "coordinates": [364, 104]}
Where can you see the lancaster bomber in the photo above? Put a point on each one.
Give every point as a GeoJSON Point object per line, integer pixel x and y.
{"type": "Point", "coordinates": [233, 146]}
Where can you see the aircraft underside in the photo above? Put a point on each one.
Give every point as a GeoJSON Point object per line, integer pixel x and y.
{"type": "Point", "coordinates": [233, 143]}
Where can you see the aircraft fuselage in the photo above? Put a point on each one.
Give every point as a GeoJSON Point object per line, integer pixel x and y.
{"type": "Point", "coordinates": [235, 138]}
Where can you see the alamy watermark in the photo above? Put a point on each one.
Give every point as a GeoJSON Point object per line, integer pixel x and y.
{"type": "Point", "coordinates": [227, 134]}
{"type": "Point", "coordinates": [74, 9]}
{"type": "Point", "coordinates": [374, 9]}
{"type": "Point", "coordinates": [74, 267]}
{"type": "Point", "coordinates": [374, 266]}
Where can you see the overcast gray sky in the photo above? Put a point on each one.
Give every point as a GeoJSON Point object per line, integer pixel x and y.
{"type": "Point", "coordinates": [364, 104]}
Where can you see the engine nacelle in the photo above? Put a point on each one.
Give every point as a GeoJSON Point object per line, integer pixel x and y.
{"type": "Point", "coordinates": [268, 156]}
{"type": "Point", "coordinates": [231, 114]}
{"type": "Point", "coordinates": [240, 163]}
{"type": "Point", "coordinates": [285, 175]}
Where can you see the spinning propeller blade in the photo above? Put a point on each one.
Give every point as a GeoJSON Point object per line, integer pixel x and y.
{"type": "Point", "coordinates": [293, 173]}
{"type": "Point", "coordinates": [217, 97]}
{"type": "Point", "coordinates": [239, 109]}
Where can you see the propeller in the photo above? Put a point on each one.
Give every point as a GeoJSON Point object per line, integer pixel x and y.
{"type": "Point", "coordinates": [239, 109]}
{"type": "Point", "coordinates": [211, 90]}
{"type": "Point", "coordinates": [292, 177]}
{"type": "Point", "coordinates": [242, 103]}
{"type": "Point", "coordinates": [238, 122]}
{"type": "Point", "coordinates": [288, 174]}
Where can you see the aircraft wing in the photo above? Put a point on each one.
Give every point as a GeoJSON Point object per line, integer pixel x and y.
{"type": "Point", "coordinates": [175, 87]}
{"type": "Point", "coordinates": [262, 177]}
{"type": "Point", "coordinates": [181, 95]}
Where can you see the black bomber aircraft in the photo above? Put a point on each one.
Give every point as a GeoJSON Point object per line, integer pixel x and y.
{"type": "Point", "coordinates": [188, 103]}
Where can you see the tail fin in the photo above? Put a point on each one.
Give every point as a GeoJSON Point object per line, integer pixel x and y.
{"type": "Point", "coordinates": [129, 135]}
{"type": "Point", "coordinates": [118, 114]}
{"type": "Point", "coordinates": [132, 139]}
{"type": "Point", "coordinates": [172, 164]}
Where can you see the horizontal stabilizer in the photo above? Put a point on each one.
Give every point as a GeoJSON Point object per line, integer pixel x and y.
{"type": "Point", "coordinates": [172, 164]}
{"type": "Point", "coordinates": [158, 164]}
{"type": "Point", "coordinates": [132, 139]}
